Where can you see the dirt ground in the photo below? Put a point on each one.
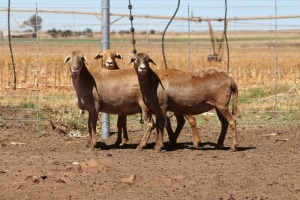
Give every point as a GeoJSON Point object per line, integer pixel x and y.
{"type": "Point", "coordinates": [51, 165]}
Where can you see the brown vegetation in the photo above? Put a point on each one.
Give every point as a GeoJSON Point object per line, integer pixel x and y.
{"type": "Point", "coordinates": [252, 61]}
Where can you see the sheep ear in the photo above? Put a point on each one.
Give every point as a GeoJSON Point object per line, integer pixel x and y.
{"type": "Point", "coordinates": [68, 57]}
{"type": "Point", "coordinates": [151, 61]}
{"type": "Point", "coordinates": [118, 56]}
{"type": "Point", "coordinates": [132, 60]}
{"type": "Point", "coordinates": [85, 59]}
{"type": "Point", "coordinates": [98, 56]}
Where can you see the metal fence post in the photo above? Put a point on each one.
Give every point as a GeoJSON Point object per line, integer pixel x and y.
{"type": "Point", "coordinates": [105, 30]}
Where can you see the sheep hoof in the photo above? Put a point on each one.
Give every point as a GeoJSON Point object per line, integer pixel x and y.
{"type": "Point", "coordinates": [219, 146]}
{"type": "Point", "coordinates": [91, 147]}
{"type": "Point", "coordinates": [158, 148]}
{"type": "Point", "coordinates": [124, 141]}
{"type": "Point", "coordinates": [140, 147]}
{"type": "Point", "coordinates": [122, 144]}
{"type": "Point", "coordinates": [233, 148]}
{"type": "Point", "coordinates": [118, 143]}
{"type": "Point", "coordinates": [196, 144]}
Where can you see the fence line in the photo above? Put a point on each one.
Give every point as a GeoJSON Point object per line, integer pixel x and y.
{"type": "Point", "coordinates": [265, 63]}
{"type": "Point", "coordinates": [276, 72]}
{"type": "Point", "coordinates": [37, 75]}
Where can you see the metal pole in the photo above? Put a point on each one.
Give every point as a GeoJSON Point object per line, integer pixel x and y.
{"type": "Point", "coordinates": [226, 39]}
{"type": "Point", "coordinates": [37, 71]}
{"type": "Point", "coordinates": [276, 69]}
{"type": "Point", "coordinates": [10, 47]}
{"type": "Point", "coordinates": [105, 30]}
{"type": "Point", "coordinates": [189, 30]}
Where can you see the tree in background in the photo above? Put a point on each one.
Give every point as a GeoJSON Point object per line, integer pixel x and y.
{"type": "Point", "coordinates": [67, 33]}
{"type": "Point", "coordinates": [59, 33]}
{"type": "Point", "coordinates": [88, 32]}
{"type": "Point", "coordinates": [35, 22]}
{"type": "Point", "coordinates": [53, 32]}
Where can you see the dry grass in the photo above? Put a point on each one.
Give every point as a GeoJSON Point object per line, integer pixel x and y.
{"type": "Point", "coordinates": [252, 64]}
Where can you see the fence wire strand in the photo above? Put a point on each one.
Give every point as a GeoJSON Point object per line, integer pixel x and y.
{"type": "Point", "coordinates": [263, 55]}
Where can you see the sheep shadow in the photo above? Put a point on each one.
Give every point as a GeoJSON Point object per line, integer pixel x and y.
{"type": "Point", "coordinates": [205, 146]}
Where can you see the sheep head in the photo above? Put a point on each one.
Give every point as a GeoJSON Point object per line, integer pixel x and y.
{"type": "Point", "coordinates": [141, 63]}
{"type": "Point", "coordinates": [77, 61]}
{"type": "Point", "coordinates": [109, 58]}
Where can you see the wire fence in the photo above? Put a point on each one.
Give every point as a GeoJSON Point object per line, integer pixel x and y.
{"type": "Point", "coordinates": [264, 54]}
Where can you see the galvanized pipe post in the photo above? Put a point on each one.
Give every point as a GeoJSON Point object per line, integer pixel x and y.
{"type": "Point", "coordinates": [105, 33]}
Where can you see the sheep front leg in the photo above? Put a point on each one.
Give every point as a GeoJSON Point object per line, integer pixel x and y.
{"type": "Point", "coordinates": [192, 121]}
{"type": "Point", "coordinates": [149, 119]}
{"type": "Point", "coordinates": [92, 123]}
{"type": "Point", "coordinates": [172, 140]}
{"type": "Point", "coordinates": [160, 125]}
{"type": "Point", "coordinates": [174, 135]}
{"type": "Point", "coordinates": [125, 134]}
{"type": "Point", "coordinates": [227, 119]}
{"type": "Point", "coordinates": [121, 124]}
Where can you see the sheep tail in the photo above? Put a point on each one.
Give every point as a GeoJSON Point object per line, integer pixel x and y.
{"type": "Point", "coordinates": [234, 90]}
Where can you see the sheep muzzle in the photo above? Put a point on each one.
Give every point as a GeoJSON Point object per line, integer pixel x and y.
{"type": "Point", "coordinates": [142, 69]}
{"type": "Point", "coordinates": [74, 69]}
{"type": "Point", "coordinates": [109, 64]}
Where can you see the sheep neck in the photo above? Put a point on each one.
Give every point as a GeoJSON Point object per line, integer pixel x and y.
{"type": "Point", "coordinates": [80, 79]}
{"type": "Point", "coordinates": [148, 85]}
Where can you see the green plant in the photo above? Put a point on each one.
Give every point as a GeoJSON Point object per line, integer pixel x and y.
{"type": "Point", "coordinates": [27, 104]}
{"type": "Point", "coordinates": [80, 123]}
{"type": "Point", "coordinates": [254, 93]}
{"type": "Point", "coordinates": [40, 115]}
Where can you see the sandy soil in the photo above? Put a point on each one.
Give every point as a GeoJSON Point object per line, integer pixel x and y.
{"type": "Point", "coordinates": [52, 165]}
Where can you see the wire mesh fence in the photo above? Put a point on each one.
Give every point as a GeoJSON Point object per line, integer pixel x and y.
{"type": "Point", "coordinates": [264, 55]}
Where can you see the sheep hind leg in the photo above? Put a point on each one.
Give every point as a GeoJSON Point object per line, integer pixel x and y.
{"type": "Point", "coordinates": [180, 123]}
{"type": "Point", "coordinates": [224, 127]}
{"type": "Point", "coordinates": [159, 139]}
{"type": "Point", "coordinates": [89, 140]}
{"type": "Point", "coordinates": [160, 125]}
{"type": "Point", "coordinates": [125, 133]}
{"type": "Point", "coordinates": [121, 124]}
{"type": "Point", "coordinates": [193, 123]}
{"type": "Point", "coordinates": [150, 126]}
{"type": "Point", "coordinates": [171, 134]}
{"type": "Point", "coordinates": [92, 124]}
{"type": "Point", "coordinates": [227, 119]}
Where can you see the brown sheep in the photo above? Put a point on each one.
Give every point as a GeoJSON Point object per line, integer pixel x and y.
{"type": "Point", "coordinates": [108, 58]}
{"type": "Point", "coordinates": [94, 88]}
{"type": "Point", "coordinates": [187, 92]}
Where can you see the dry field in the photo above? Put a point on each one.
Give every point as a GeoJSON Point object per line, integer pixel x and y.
{"type": "Point", "coordinates": [252, 64]}
{"type": "Point", "coordinates": [55, 164]}
{"type": "Point", "coordinates": [44, 83]}
{"type": "Point", "coordinates": [252, 57]}
{"type": "Point", "coordinates": [40, 162]}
